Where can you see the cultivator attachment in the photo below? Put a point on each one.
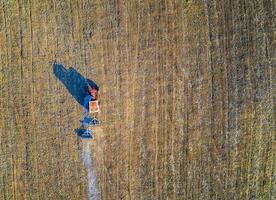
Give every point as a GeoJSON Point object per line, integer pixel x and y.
{"type": "Point", "coordinates": [84, 133]}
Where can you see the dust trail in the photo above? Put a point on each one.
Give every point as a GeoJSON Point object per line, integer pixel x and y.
{"type": "Point", "coordinates": [92, 180]}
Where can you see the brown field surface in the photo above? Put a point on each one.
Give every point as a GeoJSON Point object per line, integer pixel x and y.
{"type": "Point", "coordinates": [187, 91]}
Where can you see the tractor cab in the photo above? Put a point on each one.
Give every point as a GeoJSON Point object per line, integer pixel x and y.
{"type": "Point", "coordinates": [94, 107]}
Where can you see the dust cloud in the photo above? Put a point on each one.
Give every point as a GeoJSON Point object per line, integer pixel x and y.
{"type": "Point", "coordinates": [93, 193]}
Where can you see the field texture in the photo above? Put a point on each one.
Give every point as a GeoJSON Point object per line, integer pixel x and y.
{"type": "Point", "coordinates": [187, 91]}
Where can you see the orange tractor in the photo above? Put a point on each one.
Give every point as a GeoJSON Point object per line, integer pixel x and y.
{"type": "Point", "coordinates": [90, 118]}
{"type": "Point", "coordinates": [93, 103]}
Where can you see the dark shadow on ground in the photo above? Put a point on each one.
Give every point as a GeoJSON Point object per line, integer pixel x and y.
{"type": "Point", "coordinates": [75, 83]}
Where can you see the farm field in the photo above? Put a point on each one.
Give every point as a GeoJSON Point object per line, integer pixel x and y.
{"type": "Point", "coordinates": [187, 98]}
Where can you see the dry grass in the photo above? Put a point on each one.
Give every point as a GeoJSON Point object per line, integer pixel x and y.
{"type": "Point", "coordinates": [187, 98]}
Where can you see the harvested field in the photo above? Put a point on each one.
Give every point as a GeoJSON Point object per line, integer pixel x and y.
{"type": "Point", "coordinates": [187, 92]}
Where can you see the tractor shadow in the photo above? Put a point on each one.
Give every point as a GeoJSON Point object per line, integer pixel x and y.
{"type": "Point", "coordinates": [75, 83]}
